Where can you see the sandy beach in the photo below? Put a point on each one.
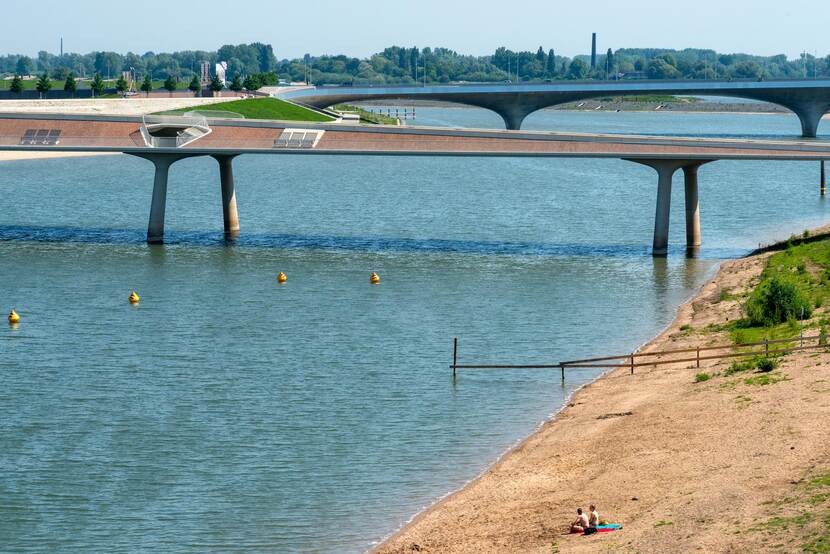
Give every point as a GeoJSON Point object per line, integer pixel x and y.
{"type": "Point", "coordinates": [715, 466]}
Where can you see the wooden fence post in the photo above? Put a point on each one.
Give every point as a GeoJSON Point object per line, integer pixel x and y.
{"type": "Point", "coordinates": [766, 348]}
{"type": "Point", "coordinates": [563, 372]}
{"type": "Point", "coordinates": [632, 364]}
{"type": "Point", "coordinates": [698, 357]}
{"type": "Point", "coordinates": [454, 356]}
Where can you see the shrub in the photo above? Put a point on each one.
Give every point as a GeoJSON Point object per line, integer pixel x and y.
{"type": "Point", "coordinates": [686, 327]}
{"type": "Point", "coordinates": [775, 301]}
{"type": "Point", "coordinates": [701, 377]}
{"type": "Point", "coordinates": [766, 365]}
{"type": "Point", "coordinates": [822, 336]}
{"type": "Point", "coordinates": [737, 366]}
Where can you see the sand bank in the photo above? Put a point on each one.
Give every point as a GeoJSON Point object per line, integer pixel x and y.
{"type": "Point", "coordinates": [684, 466]}
{"type": "Point", "coordinates": [7, 156]}
{"type": "Point", "coordinates": [104, 106]}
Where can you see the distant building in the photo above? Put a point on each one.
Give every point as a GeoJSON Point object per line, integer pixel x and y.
{"type": "Point", "coordinates": [205, 77]}
{"type": "Point", "coordinates": [222, 71]}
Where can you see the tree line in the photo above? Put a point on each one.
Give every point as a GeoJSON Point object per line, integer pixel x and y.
{"type": "Point", "coordinates": [403, 65]}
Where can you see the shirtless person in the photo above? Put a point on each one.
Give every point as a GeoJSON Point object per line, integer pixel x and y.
{"type": "Point", "coordinates": [581, 523]}
{"type": "Point", "coordinates": [593, 519]}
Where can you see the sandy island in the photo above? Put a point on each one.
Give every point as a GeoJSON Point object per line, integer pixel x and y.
{"type": "Point", "coordinates": [684, 466]}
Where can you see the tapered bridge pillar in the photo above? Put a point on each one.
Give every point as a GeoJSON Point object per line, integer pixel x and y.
{"type": "Point", "coordinates": [162, 163]}
{"type": "Point", "coordinates": [666, 169]}
{"type": "Point", "coordinates": [229, 213]}
{"type": "Point", "coordinates": [692, 208]}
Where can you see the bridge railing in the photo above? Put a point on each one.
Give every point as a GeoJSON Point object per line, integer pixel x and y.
{"type": "Point", "coordinates": [192, 128]}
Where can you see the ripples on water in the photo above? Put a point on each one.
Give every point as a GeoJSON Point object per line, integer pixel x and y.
{"type": "Point", "coordinates": [226, 412]}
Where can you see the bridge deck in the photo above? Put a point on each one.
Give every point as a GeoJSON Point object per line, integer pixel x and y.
{"type": "Point", "coordinates": [102, 133]}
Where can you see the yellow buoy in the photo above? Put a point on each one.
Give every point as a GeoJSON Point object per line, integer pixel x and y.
{"type": "Point", "coordinates": [14, 317]}
{"type": "Point", "coordinates": [282, 277]}
{"type": "Point", "coordinates": [134, 297]}
{"type": "Point", "coordinates": [374, 278]}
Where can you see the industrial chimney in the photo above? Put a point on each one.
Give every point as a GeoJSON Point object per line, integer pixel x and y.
{"type": "Point", "coordinates": [593, 50]}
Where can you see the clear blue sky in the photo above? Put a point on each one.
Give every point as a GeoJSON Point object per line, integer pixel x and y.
{"type": "Point", "coordinates": [361, 27]}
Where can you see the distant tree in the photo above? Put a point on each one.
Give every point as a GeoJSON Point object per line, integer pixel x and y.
{"type": "Point", "coordinates": [44, 84]}
{"type": "Point", "coordinates": [660, 68]}
{"type": "Point", "coordinates": [540, 55]}
{"type": "Point", "coordinates": [551, 65]}
{"type": "Point", "coordinates": [610, 61]}
{"type": "Point", "coordinates": [59, 73]}
{"type": "Point", "coordinates": [251, 83]}
{"type": "Point", "coordinates": [97, 85]}
{"type": "Point", "coordinates": [216, 84]}
{"type": "Point", "coordinates": [25, 65]}
{"type": "Point", "coordinates": [121, 85]}
{"type": "Point", "coordinates": [170, 84]}
{"type": "Point", "coordinates": [578, 69]}
{"type": "Point", "coordinates": [236, 83]}
{"type": "Point", "coordinates": [747, 70]}
{"type": "Point", "coordinates": [147, 85]}
{"type": "Point", "coordinates": [70, 85]}
{"type": "Point", "coordinates": [195, 85]}
{"type": "Point", "coordinates": [268, 79]}
{"type": "Point", "coordinates": [17, 85]}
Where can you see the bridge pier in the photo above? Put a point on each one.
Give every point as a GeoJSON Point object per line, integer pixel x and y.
{"type": "Point", "coordinates": [666, 169]}
{"type": "Point", "coordinates": [229, 213]}
{"type": "Point", "coordinates": [513, 116]}
{"type": "Point", "coordinates": [692, 208]}
{"type": "Point", "coordinates": [162, 163]}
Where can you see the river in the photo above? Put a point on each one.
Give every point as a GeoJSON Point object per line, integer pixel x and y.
{"type": "Point", "coordinates": [226, 412]}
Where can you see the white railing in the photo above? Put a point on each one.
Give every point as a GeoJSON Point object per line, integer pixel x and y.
{"type": "Point", "coordinates": [191, 128]}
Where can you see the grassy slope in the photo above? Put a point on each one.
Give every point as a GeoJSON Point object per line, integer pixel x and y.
{"type": "Point", "coordinates": [808, 265]}
{"type": "Point", "coordinates": [263, 108]}
{"type": "Point", "coordinates": [366, 116]}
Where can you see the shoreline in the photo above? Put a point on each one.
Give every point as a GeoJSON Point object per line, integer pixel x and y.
{"type": "Point", "coordinates": [18, 155]}
{"type": "Point", "coordinates": [420, 524]}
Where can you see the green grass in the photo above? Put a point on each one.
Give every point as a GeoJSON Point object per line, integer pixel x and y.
{"type": "Point", "coordinates": [261, 108]}
{"type": "Point", "coordinates": [366, 116]}
{"type": "Point", "coordinates": [802, 517]}
{"type": "Point", "coordinates": [805, 263]}
{"type": "Point", "coordinates": [765, 379]}
{"type": "Point", "coordinates": [647, 98]}
{"type": "Point", "coordinates": [57, 84]}
{"type": "Point", "coordinates": [663, 523]}
{"type": "Point", "coordinates": [702, 377]}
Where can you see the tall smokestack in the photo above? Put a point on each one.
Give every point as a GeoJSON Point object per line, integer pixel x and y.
{"type": "Point", "coordinates": [61, 47]}
{"type": "Point", "coordinates": [593, 50]}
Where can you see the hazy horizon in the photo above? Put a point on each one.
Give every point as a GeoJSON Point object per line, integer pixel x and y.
{"type": "Point", "coordinates": [762, 27]}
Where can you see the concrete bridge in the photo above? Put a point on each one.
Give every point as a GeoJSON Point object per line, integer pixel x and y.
{"type": "Point", "coordinates": [164, 143]}
{"type": "Point", "coordinates": [809, 100]}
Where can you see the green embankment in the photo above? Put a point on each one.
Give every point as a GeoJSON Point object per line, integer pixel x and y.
{"type": "Point", "coordinates": [651, 99]}
{"type": "Point", "coordinates": [790, 296]}
{"type": "Point", "coordinates": [366, 116]}
{"type": "Point", "coordinates": [259, 108]}
{"type": "Point", "coordinates": [795, 282]}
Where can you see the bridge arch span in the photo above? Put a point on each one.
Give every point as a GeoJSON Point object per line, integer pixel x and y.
{"type": "Point", "coordinates": [809, 100]}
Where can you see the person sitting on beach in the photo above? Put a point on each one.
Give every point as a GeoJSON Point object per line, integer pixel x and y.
{"type": "Point", "coordinates": [581, 523]}
{"type": "Point", "coordinates": [593, 519]}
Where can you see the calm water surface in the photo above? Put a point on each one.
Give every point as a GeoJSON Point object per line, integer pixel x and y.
{"type": "Point", "coordinates": [229, 413]}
